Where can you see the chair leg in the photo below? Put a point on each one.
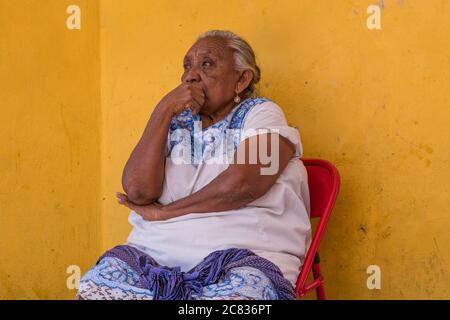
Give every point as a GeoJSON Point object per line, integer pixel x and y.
{"type": "Point", "coordinates": [320, 290]}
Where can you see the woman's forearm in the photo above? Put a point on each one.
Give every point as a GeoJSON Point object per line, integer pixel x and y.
{"type": "Point", "coordinates": [226, 192]}
{"type": "Point", "coordinates": [143, 175]}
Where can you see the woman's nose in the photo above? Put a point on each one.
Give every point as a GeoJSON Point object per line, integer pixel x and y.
{"type": "Point", "coordinates": [192, 76]}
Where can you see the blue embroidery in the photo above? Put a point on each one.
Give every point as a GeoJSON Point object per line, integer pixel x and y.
{"type": "Point", "coordinates": [211, 139]}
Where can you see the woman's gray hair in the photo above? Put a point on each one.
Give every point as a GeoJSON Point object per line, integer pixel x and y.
{"type": "Point", "coordinates": [244, 56]}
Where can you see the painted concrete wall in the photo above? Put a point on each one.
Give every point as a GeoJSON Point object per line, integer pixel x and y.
{"type": "Point", "coordinates": [49, 154]}
{"type": "Point", "coordinates": [374, 102]}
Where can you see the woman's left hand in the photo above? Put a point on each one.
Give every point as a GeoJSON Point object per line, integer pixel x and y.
{"type": "Point", "coordinates": [151, 212]}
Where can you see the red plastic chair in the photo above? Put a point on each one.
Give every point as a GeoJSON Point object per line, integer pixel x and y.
{"type": "Point", "coordinates": [323, 182]}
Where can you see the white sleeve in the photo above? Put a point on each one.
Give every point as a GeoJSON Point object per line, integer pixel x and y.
{"type": "Point", "coordinates": [270, 116]}
{"type": "Point", "coordinates": [168, 144]}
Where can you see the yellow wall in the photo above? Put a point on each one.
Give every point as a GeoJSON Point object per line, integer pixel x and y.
{"type": "Point", "coordinates": [49, 154]}
{"type": "Point", "coordinates": [376, 103]}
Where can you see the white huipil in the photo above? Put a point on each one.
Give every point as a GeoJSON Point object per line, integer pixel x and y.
{"type": "Point", "coordinates": [275, 226]}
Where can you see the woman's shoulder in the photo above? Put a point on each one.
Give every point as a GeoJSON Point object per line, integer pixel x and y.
{"type": "Point", "coordinates": [268, 115]}
{"type": "Point", "coordinates": [263, 110]}
{"type": "Point", "coordinates": [252, 102]}
{"type": "Point", "coordinates": [255, 108]}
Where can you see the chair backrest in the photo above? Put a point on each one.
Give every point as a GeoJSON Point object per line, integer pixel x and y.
{"type": "Point", "coordinates": [323, 183]}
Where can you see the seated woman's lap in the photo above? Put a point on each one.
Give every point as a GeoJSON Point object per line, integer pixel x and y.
{"type": "Point", "coordinates": [113, 279]}
{"type": "Point", "coordinates": [242, 283]}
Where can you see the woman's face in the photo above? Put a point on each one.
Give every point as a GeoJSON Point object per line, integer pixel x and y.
{"type": "Point", "coordinates": [210, 64]}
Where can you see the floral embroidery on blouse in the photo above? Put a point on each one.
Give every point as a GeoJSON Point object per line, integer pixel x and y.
{"type": "Point", "coordinates": [186, 132]}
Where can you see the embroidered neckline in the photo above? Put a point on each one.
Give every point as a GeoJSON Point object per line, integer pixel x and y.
{"type": "Point", "coordinates": [218, 123]}
{"type": "Point", "coordinates": [204, 138]}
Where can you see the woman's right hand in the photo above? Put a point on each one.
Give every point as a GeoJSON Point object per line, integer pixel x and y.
{"type": "Point", "coordinates": [186, 95]}
{"type": "Point", "coordinates": [143, 175]}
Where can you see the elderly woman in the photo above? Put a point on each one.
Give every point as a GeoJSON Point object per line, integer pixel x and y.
{"type": "Point", "coordinates": [219, 197]}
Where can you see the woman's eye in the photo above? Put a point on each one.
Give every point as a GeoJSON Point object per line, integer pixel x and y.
{"type": "Point", "coordinates": [206, 63]}
{"type": "Point", "coordinates": [186, 66]}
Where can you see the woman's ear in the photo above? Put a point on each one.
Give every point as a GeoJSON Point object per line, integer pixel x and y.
{"type": "Point", "coordinates": [244, 81]}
